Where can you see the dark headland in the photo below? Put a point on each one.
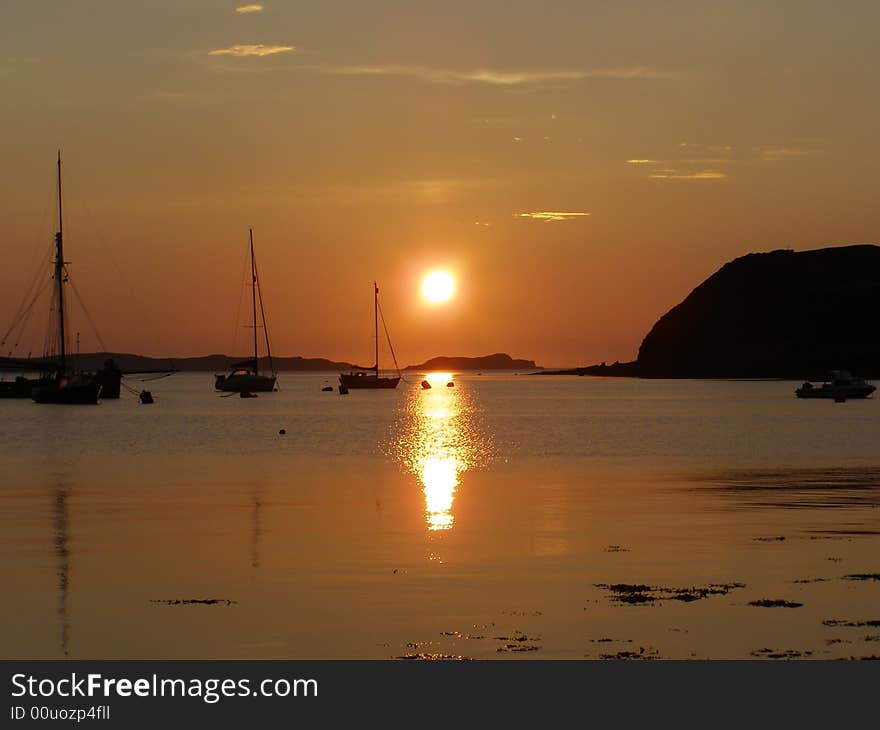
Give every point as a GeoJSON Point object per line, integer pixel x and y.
{"type": "Point", "coordinates": [782, 314]}
{"type": "Point", "coordinates": [498, 361]}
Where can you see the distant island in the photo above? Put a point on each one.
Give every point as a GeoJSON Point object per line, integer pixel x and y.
{"type": "Point", "coordinates": [782, 314]}
{"type": "Point", "coordinates": [218, 363]}
{"type": "Point", "coordinates": [131, 363]}
{"type": "Point", "coordinates": [498, 361]}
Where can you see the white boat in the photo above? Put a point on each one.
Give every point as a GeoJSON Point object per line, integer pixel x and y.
{"type": "Point", "coordinates": [840, 386]}
{"type": "Point", "coordinates": [245, 376]}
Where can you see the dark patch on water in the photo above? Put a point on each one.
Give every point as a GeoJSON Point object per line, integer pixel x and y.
{"type": "Point", "coordinates": [194, 601]}
{"type": "Point", "coordinates": [426, 657]}
{"type": "Point", "coordinates": [641, 655]}
{"type": "Point", "coordinates": [775, 603]}
{"type": "Point", "coordinates": [862, 576]}
{"type": "Point", "coordinates": [843, 623]}
{"type": "Point", "coordinates": [796, 488]}
{"type": "Point", "coordinates": [830, 642]}
{"type": "Point", "coordinates": [616, 549]}
{"type": "Point", "coordinates": [811, 580]}
{"type": "Point", "coordinates": [847, 532]}
{"type": "Point", "coordinates": [775, 538]}
{"type": "Point", "coordinates": [518, 647]}
{"type": "Point", "coordinates": [639, 593]}
{"type": "Point", "coordinates": [781, 654]}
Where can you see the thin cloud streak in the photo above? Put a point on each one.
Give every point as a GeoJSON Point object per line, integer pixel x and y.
{"type": "Point", "coordinates": [676, 175]}
{"type": "Point", "coordinates": [241, 50]}
{"type": "Point", "coordinates": [780, 153]}
{"type": "Point", "coordinates": [489, 76]}
{"type": "Point", "coordinates": [242, 9]}
{"type": "Point", "coordinates": [553, 215]}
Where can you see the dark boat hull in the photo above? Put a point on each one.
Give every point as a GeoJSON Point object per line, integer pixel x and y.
{"type": "Point", "coordinates": [85, 391]}
{"type": "Point", "coordinates": [835, 393]}
{"type": "Point", "coordinates": [110, 382]}
{"type": "Point", "coordinates": [21, 387]}
{"type": "Point", "coordinates": [367, 382]}
{"type": "Point", "coordinates": [248, 383]}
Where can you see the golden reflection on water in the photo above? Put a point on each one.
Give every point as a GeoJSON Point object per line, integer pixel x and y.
{"type": "Point", "coordinates": [438, 442]}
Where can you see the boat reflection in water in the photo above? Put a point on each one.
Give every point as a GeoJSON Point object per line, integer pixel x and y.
{"type": "Point", "coordinates": [438, 442]}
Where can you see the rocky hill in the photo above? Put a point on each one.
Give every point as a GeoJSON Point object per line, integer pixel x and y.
{"type": "Point", "coordinates": [779, 314]}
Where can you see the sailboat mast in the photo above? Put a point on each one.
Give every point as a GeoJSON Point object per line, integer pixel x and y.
{"type": "Point", "coordinates": [263, 319]}
{"type": "Point", "coordinates": [376, 322]}
{"type": "Point", "coordinates": [254, 300]}
{"type": "Point", "coordinates": [59, 274]}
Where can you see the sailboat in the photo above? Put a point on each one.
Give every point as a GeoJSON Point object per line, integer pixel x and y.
{"type": "Point", "coordinates": [64, 386]}
{"type": "Point", "coordinates": [244, 376]}
{"type": "Point", "coordinates": [369, 378]}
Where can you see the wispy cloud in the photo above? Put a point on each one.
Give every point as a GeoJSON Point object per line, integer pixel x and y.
{"type": "Point", "coordinates": [251, 50]}
{"type": "Point", "coordinates": [489, 76]}
{"type": "Point", "coordinates": [553, 215]}
{"type": "Point", "coordinates": [683, 175]}
{"type": "Point", "coordinates": [781, 153]}
{"type": "Point", "coordinates": [242, 9]}
{"type": "Point", "coordinates": [708, 147]}
{"type": "Point", "coordinates": [699, 161]}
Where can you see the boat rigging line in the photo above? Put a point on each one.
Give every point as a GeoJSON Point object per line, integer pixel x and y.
{"type": "Point", "coordinates": [388, 338]}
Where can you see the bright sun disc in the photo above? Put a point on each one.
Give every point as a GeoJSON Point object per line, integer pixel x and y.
{"type": "Point", "coordinates": [437, 287]}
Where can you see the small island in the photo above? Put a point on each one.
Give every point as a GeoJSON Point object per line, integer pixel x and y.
{"type": "Point", "coordinates": [497, 361]}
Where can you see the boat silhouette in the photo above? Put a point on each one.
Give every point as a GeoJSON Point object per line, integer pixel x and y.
{"type": "Point", "coordinates": [368, 378]}
{"type": "Point", "coordinates": [245, 377]}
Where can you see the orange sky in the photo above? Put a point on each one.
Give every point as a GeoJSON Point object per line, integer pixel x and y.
{"type": "Point", "coordinates": [381, 140]}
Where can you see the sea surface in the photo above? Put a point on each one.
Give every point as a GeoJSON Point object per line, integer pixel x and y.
{"type": "Point", "coordinates": [509, 516]}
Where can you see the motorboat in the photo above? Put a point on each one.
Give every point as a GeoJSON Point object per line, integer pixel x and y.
{"type": "Point", "coordinates": [841, 385]}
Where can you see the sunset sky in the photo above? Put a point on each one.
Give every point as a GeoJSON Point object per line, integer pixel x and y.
{"type": "Point", "coordinates": [383, 140]}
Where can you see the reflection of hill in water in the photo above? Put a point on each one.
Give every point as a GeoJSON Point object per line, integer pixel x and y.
{"type": "Point", "coordinates": [795, 488]}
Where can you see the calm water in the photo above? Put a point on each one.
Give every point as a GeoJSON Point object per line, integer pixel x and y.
{"type": "Point", "coordinates": [508, 517]}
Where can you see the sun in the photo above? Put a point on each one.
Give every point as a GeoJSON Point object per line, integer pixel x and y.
{"type": "Point", "coordinates": [438, 287]}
